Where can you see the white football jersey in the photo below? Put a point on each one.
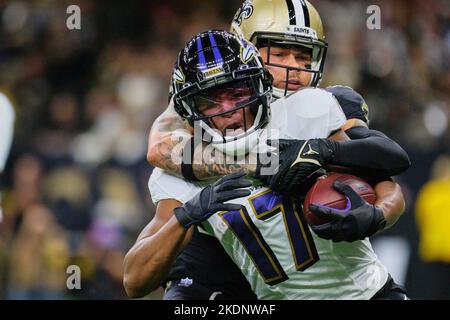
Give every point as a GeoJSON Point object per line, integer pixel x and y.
{"type": "Point", "coordinates": [308, 113]}
{"type": "Point", "coordinates": [269, 240]}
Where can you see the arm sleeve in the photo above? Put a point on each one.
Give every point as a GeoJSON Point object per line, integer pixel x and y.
{"type": "Point", "coordinates": [7, 117]}
{"type": "Point", "coordinates": [371, 153]}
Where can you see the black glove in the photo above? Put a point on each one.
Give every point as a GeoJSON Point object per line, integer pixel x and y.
{"type": "Point", "coordinates": [358, 221]}
{"type": "Point", "coordinates": [211, 199]}
{"type": "Point", "coordinates": [300, 163]}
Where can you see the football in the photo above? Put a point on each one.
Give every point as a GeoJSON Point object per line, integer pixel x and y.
{"type": "Point", "coordinates": [322, 193]}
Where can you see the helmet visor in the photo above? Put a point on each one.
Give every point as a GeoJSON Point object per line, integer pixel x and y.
{"type": "Point", "coordinates": [230, 108]}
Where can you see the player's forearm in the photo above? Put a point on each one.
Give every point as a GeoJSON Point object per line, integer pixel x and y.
{"type": "Point", "coordinates": [165, 141]}
{"type": "Point", "coordinates": [147, 263]}
{"type": "Point", "coordinates": [209, 163]}
{"type": "Point", "coordinates": [390, 200]}
{"type": "Point", "coordinates": [371, 152]}
{"type": "Point", "coordinates": [161, 153]}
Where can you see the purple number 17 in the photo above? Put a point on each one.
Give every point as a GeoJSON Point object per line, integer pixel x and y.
{"type": "Point", "coordinates": [264, 206]}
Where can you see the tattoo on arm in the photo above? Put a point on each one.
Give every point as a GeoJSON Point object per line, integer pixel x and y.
{"type": "Point", "coordinates": [165, 142]}
{"type": "Point", "coordinates": [209, 163]}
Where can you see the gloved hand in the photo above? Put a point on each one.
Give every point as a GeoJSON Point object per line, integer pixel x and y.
{"type": "Point", "coordinates": [358, 221]}
{"type": "Point", "coordinates": [300, 163]}
{"type": "Point", "coordinates": [211, 199]}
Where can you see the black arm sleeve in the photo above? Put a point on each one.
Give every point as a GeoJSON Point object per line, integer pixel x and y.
{"type": "Point", "coordinates": [370, 152]}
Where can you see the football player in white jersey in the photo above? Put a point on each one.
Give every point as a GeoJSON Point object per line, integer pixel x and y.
{"type": "Point", "coordinates": [232, 93]}
{"type": "Point", "coordinates": [7, 116]}
{"type": "Point", "coordinates": [272, 26]}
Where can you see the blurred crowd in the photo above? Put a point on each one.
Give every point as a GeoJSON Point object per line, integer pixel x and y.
{"type": "Point", "coordinates": [75, 187]}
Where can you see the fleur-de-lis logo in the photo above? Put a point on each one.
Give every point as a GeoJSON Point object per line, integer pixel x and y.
{"type": "Point", "coordinates": [244, 12]}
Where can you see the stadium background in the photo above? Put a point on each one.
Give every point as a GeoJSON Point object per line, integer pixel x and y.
{"type": "Point", "coordinates": [75, 187]}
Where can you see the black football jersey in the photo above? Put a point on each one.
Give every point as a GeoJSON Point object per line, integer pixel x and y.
{"type": "Point", "coordinates": [352, 103]}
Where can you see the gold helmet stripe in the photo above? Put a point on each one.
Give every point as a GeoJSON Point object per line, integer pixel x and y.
{"type": "Point", "coordinates": [298, 13]}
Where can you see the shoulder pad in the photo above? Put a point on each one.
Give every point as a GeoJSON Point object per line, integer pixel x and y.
{"type": "Point", "coordinates": [352, 103]}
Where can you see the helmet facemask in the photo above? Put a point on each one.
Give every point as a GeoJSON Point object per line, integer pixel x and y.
{"type": "Point", "coordinates": [277, 23]}
{"type": "Point", "coordinates": [316, 48]}
{"type": "Point", "coordinates": [219, 83]}
{"type": "Point", "coordinates": [238, 97]}
{"type": "Point", "coordinates": [230, 112]}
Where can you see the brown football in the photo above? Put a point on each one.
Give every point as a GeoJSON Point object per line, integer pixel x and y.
{"type": "Point", "coordinates": [322, 193]}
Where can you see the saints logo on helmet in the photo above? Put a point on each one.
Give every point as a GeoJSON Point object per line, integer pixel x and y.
{"type": "Point", "coordinates": [244, 12]}
{"type": "Point", "coordinates": [278, 23]}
